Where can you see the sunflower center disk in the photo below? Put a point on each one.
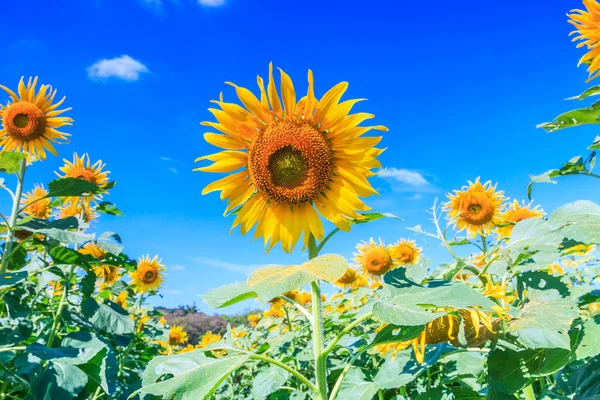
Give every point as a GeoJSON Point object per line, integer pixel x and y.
{"type": "Point", "coordinates": [378, 262]}
{"type": "Point", "coordinates": [24, 121]}
{"type": "Point", "coordinates": [477, 209]}
{"type": "Point", "coordinates": [148, 277]}
{"type": "Point", "coordinates": [291, 162]}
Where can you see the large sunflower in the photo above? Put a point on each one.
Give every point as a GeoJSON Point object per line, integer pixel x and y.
{"type": "Point", "coordinates": [293, 158]}
{"type": "Point", "coordinates": [177, 335]}
{"type": "Point", "coordinates": [148, 275]}
{"type": "Point", "coordinates": [476, 208]}
{"type": "Point", "coordinates": [375, 259]}
{"type": "Point", "coordinates": [406, 252]}
{"type": "Point", "coordinates": [514, 213]}
{"type": "Point", "coordinates": [82, 168]}
{"type": "Point", "coordinates": [587, 31]}
{"type": "Point", "coordinates": [30, 121]}
{"type": "Point", "coordinates": [38, 205]}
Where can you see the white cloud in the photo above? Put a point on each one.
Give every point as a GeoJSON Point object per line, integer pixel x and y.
{"type": "Point", "coordinates": [173, 292]}
{"type": "Point", "coordinates": [177, 267]}
{"type": "Point", "coordinates": [166, 158]}
{"type": "Point", "coordinates": [124, 67]}
{"type": "Point", "coordinates": [211, 3]}
{"type": "Point", "coordinates": [239, 268]}
{"type": "Point", "coordinates": [409, 177]}
{"type": "Point", "coordinates": [173, 170]}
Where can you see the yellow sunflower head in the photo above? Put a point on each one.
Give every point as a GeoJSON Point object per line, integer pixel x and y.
{"type": "Point", "coordinates": [406, 252]}
{"type": "Point", "coordinates": [374, 259]}
{"type": "Point", "coordinates": [290, 160]}
{"type": "Point", "coordinates": [37, 205]}
{"type": "Point", "coordinates": [555, 269]}
{"type": "Point", "coordinates": [587, 32]}
{"type": "Point", "coordinates": [121, 299]}
{"type": "Point", "coordinates": [148, 275]}
{"type": "Point", "coordinates": [476, 208]}
{"type": "Point", "coordinates": [177, 335]}
{"type": "Point", "coordinates": [108, 274]}
{"type": "Point", "coordinates": [348, 280]}
{"type": "Point", "coordinates": [209, 338]}
{"type": "Point", "coordinates": [92, 249]}
{"type": "Point", "coordinates": [82, 168]}
{"type": "Point", "coordinates": [77, 209]}
{"type": "Point", "coordinates": [514, 213]}
{"type": "Point", "coordinates": [30, 121]}
{"type": "Point", "coordinates": [254, 319]}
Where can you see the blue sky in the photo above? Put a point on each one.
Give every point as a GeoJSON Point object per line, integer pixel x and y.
{"type": "Point", "coordinates": [461, 87]}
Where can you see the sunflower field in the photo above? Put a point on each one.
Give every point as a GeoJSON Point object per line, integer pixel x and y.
{"type": "Point", "coordinates": [513, 314]}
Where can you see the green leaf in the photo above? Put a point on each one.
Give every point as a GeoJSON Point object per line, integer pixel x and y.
{"type": "Point", "coordinates": [590, 343]}
{"type": "Point", "coordinates": [267, 381]}
{"type": "Point", "coordinates": [545, 321]}
{"type": "Point", "coordinates": [228, 295]}
{"type": "Point", "coordinates": [62, 381]}
{"type": "Point", "coordinates": [274, 280]}
{"type": "Point", "coordinates": [374, 216]}
{"type": "Point", "coordinates": [109, 208]}
{"type": "Point", "coordinates": [593, 91]}
{"type": "Point", "coordinates": [33, 225]}
{"type": "Point", "coordinates": [403, 369]}
{"type": "Point", "coordinates": [581, 380]}
{"type": "Point", "coordinates": [396, 334]}
{"type": "Point", "coordinates": [596, 144]}
{"type": "Point", "coordinates": [107, 317]}
{"type": "Point", "coordinates": [543, 281]}
{"type": "Point", "coordinates": [580, 221]}
{"type": "Point", "coordinates": [15, 331]}
{"type": "Point", "coordinates": [10, 162]}
{"type": "Point", "coordinates": [355, 387]}
{"type": "Point", "coordinates": [9, 279]}
{"type": "Point", "coordinates": [409, 306]}
{"type": "Point", "coordinates": [66, 187]}
{"type": "Point", "coordinates": [533, 234]}
{"type": "Point", "coordinates": [195, 376]}
{"type": "Point", "coordinates": [57, 230]}
{"type": "Point", "coordinates": [582, 116]}
{"type": "Point", "coordinates": [63, 255]}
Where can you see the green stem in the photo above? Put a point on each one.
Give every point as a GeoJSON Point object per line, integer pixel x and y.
{"type": "Point", "coordinates": [340, 380]}
{"type": "Point", "coordinates": [97, 393]}
{"type": "Point", "coordinates": [484, 244]}
{"type": "Point", "coordinates": [344, 332]}
{"type": "Point", "coordinates": [380, 395]}
{"type": "Point", "coordinates": [318, 336]}
{"type": "Point", "coordinates": [61, 306]}
{"type": "Point", "coordinates": [324, 241]}
{"type": "Point", "coordinates": [529, 393]}
{"type": "Point", "coordinates": [299, 307]}
{"type": "Point", "coordinates": [13, 217]}
{"type": "Point", "coordinates": [17, 348]}
{"type": "Point", "coordinates": [287, 318]}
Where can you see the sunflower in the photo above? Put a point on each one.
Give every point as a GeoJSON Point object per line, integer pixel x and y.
{"type": "Point", "coordinates": [30, 121]}
{"type": "Point", "coordinates": [406, 252]}
{"type": "Point", "coordinates": [587, 29]}
{"type": "Point", "coordinates": [555, 269]}
{"type": "Point", "coordinates": [475, 208]}
{"type": "Point", "coordinates": [148, 276]}
{"type": "Point", "coordinates": [77, 209]}
{"type": "Point", "coordinates": [38, 205]}
{"type": "Point", "coordinates": [108, 274]}
{"type": "Point", "coordinates": [293, 158]}
{"type": "Point", "coordinates": [177, 335]}
{"type": "Point", "coordinates": [514, 213]}
{"type": "Point", "coordinates": [121, 299]}
{"type": "Point", "coordinates": [348, 280]}
{"type": "Point", "coordinates": [374, 259]}
{"type": "Point", "coordinates": [92, 249]}
{"type": "Point", "coordinates": [208, 339]}
{"type": "Point", "coordinates": [82, 168]}
{"type": "Point", "coordinates": [254, 319]}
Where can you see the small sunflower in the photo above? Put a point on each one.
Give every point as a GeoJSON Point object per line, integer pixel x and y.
{"type": "Point", "coordinates": [108, 274]}
{"type": "Point", "coordinates": [514, 213]}
{"type": "Point", "coordinates": [348, 280]}
{"type": "Point", "coordinates": [37, 205]}
{"type": "Point", "coordinates": [208, 339]}
{"type": "Point", "coordinates": [587, 31]}
{"type": "Point", "coordinates": [82, 168]}
{"type": "Point", "coordinates": [177, 335]}
{"type": "Point", "coordinates": [92, 249]}
{"type": "Point", "coordinates": [30, 121]}
{"type": "Point", "coordinates": [77, 209]}
{"type": "Point", "coordinates": [475, 208]}
{"type": "Point", "coordinates": [375, 259]}
{"type": "Point", "coordinates": [555, 269]}
{"type": "Point", "coordinates": [149, 274]}
{"type": "Point", "coordinates": [406, 252]}
{"type": "Point", "coordinates": [121, 299]}
{"type": "Point", "coordinates": [254, 319]}
{"type": "Point", "coordinates": [294, 159]}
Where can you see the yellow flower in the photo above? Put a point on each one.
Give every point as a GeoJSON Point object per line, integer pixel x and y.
{"type": "Point", "coordinates": [555, 269]}
{"type": "Point", "coordinates": [347, 280]}
{"type": "Point", "coordinates": [209, 338]}
{"type": "Point", "coordinates": [497, 291]}
{"type": "Point", "coordinates": [276, 310]}
{"type": "Point", "coordinates": [77, 209]}
{"type": "Point", "coordinates": [82, 168]}
{"type": "Point", "coordinates": [142, 322]}
{"type": "Point", "coordinates": [475, 208]}
{"type": "Point", "coordinates": [374, 259]}
{"type": "Point", "coordinates": [30, 121]}
{"type": "Point", "coordinates": [187, 349]}
{"type": "Point", "coordinates": [304, 298]}
{"type": "Point", "coordinates": [293, 158]}
{"type": "Point", "coordinates": [587, 29]}
{"type": "Point", "coordinates": [108, 274]}
{"type": "Point", "coordinates": [254, 319]}
{"type": "Point", "coordinates": [92, 249]}
{"type": "Point", "coordinates": [162, 321]}
{"type": "Point", "coordinates": [148, 275]}
{"type": "Point", "coordinates": [177, 335]}
{"type": "Point", "coordinates": [37, 205]}
{"type": "Point", "coordinates": [238, 334]}
{"type": "Point", "coordinates": [579, 250]}
{"type": "Point", "coordinates": [406, 252]}
{"type": "Point", "coordinates": [122, 299]}
{"type": "Point", "coordinates": [514, 213]}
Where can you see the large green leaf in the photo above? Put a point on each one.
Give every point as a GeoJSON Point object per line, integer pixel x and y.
{"type": "Point", "coordinates": [581, 380]}
{"type": "Point", "coordinates": [590, 343]}
{"type": "Point", "coordinates": [62, 380]}
{"type": "Point", "coordinates": [64, 187]}
{"type": "Point", "coordinates": [545, 321]}
{"type": "Point", "coordinates": [402, 369]}
{"type": "Point", "coordinates": [531, 235]}
{"type": "Point", "coordinates": [195, 376]}
{"type": "Point", "coordinates": [355, 387]}
{"type": "Point", "coordinates": [107, 317]}
{"type": "Point", "coordinates": [582, 116]}
{"type": "Point", "coordinates": [267, 381]}
{"type": "Point", "coordinates": [10, 161]}
{"type": "Point", "coordinates": [228, 295]}
{"type": "Point", "coordinates": [109, 208]}
{"type": "Point", "coordinates": [396, 334]}
{"type": "Point", "coordinates": [12, 278]}
{"type": "Point", "coordinates": [272, 281]}
{"type": "Point", "coordinates": [580, 221]}
{"type": "Point", "coordinates": [409, 306]}
{"type": "Point", "coordinates": [14, 331]}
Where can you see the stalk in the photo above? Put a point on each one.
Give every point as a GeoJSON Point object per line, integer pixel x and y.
{"type": "Point", "coordinates": [318, 337]}
{"type": "Point", "coordinates": [61, 306]}
{"type": "Point", "coordinates": [529, 392]}
{"type": "Point", "coordinates": [13, 217]}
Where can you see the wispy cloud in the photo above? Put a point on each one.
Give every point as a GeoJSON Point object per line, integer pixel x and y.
{"type": "Point", "coordinates": [407, 180]}
{"type": "Point", "coordinates": [165, 158]}
{"type": "Point", "coordinates": [177, 267]}
{"type": "Point", "coordinates": [124, 68]}
{"type": "Point", "coordinates": [239, 268]}
{"type": "Point", "coordinates": [173, 292]}
{"type": "Point", "coordinates": [173, 170]}
{"type": "Point", "coordinates": [211, 3]}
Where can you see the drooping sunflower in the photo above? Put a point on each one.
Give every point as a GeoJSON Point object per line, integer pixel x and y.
{"type": "Point", "coordinates": [514, 213]}
{"type": "Point", "coordinates": [587, 31]}
{"type": "Point", "coordinates": [406, 252]}
{"type": "Point", "coordinates": [289, 159]}
{"type": "Point", "coordinates": [149, 274]}
{"type": "Point", "coordinates": [375, 259]}
{"type": "Point", "coordinates": [30, 121]}
{"type": "Point", "coordinates": [476, 208]}
{"type": "Point", "coordinates": [82, 168]}
{"type": "Point", "coordinates": [78, 209]}
{"type": "Point", "coordinates": [177, 335]}
{"type": "Point", "coordinates": [92, 249]}
{"type": "Point", "coordinates": [37, 205]}
{"type": "Point", "coordinates": [347, 280]}
{"type": "Point", "coordinates": [108, 274]}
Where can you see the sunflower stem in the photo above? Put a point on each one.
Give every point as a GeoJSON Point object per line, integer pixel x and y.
{"type": "Point", "coordinates": [318, 337]}
{"type": "Point", "coordinates": [345, 331]}
{"type": "Point", "coordinates": [13, 217]}
{"type": "Point", "coordinates": [61, 306]}
{"type": "Point", "coordinates": [529, 393]}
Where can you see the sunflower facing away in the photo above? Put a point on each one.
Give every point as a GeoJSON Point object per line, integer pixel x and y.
{"type": "Point", "coordinates": [37, 205]}
{"type": "Point", "coordinates": [587, 31]}
{"type": "Point", "coordinates": [177, 335]}
{"type": "Point", "coordinates": [30, 121]}
{"type": "Point", "coordinates": [476, 208]}
{"type": "Point", "coordinates": [348, 280]}
{"type": "Point", "coordinates": [108, 274]}
{"type": "Point", "coordinates": [92, 249]}
{"type": "Point", "coordinates": [290, 158]}
{"type": "Point", "coordinates": [375, 259]}
{"type": "Point", "coordinates": [406, 252]}
{"type": "Point", "coordinates": [514, 213]}
{"type": "Point", "coordinates": [149, 274]}
{"type": "Point", "coordinates": [82, 168]}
